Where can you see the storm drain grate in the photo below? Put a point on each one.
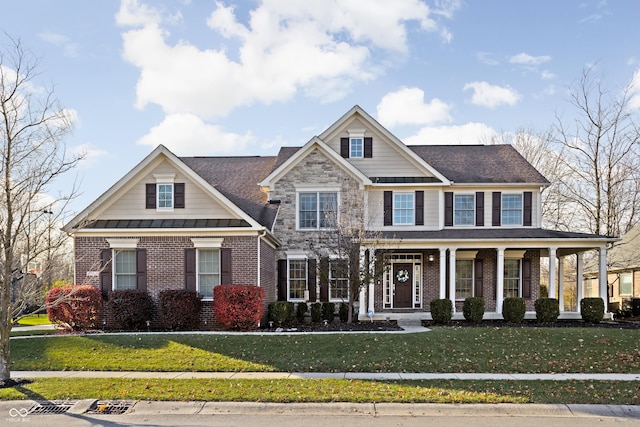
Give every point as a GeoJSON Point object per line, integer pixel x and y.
{"type": "Point", "coordinates": [50, 408]}
{"type": "Point", "coordinates": [111, 407]}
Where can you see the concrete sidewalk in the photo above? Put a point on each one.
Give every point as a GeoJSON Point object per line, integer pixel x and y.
{"type": "Point", "coordinates": [386, 376]}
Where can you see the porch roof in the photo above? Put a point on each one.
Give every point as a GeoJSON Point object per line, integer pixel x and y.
{"type": "Point", "coordinates": [500, 236]}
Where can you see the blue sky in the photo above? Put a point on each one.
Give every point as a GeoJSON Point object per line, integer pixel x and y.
{"type": "Point", "coordinates": [246, 77]}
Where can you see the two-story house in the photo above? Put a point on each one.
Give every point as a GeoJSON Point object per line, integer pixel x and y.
{"type": "Point", "coordinates": [451, 222]}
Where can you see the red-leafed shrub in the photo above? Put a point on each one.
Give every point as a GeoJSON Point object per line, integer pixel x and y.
{"type": "Point", "coordinates": [129, 309]}
{"type": "Point", "coordinates": [179, 310]}
{"type": "Point", "coordinates": [238, 307]}
{"type": "Point", "coordinates": [77, 307]}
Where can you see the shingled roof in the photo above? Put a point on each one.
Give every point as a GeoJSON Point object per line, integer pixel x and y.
{"type": "Point", "coordinates": [479, 163]}
{"type": "Point", "coordinates": [472, 164]}
{"type": "Point", "coordinates": [237, 179]}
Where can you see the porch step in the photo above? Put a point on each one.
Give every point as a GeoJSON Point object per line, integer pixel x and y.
{"type": "Point", "coordinates": [409, 322]}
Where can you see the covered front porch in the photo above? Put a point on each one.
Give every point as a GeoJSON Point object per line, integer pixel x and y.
{"type": "Point", "coordinates": [419, 267]}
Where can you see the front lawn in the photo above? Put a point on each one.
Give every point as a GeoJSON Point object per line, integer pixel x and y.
{"type": "Point", "coordinates": [444, 349]}
{"type": "Point", "coordinates": [34, 320]}
{"type": "Point", "coordinates": [328, 390]}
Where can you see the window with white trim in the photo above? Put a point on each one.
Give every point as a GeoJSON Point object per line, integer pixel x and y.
{"type": "Point", "coordinates": [208, 271]}
{"type": "Point", "coordinates": [356, 147]}
{"type": "Point", "coordinates": [165, 196]}
{"type": "Point", "coordinates": [464, 278]}
{"type": "Point", "coordinates": [297, 282]}
{"type": "Point", "coordinates": [403, 208]}
{"type": "Point", "coordinates": [464, 209]}
{"type": "Point", "coordinates": [317, 210]}
{"type": "Point", "coordinates": [339, 280]}
{"type": "Point", "coordinates": [512, 278]}
{"type": "Point", "coordinates": [124, 269]}
{"type": "Point", "coordinates": [511, 209]}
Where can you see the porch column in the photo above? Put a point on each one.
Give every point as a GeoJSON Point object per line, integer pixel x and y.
{"type": "Point", "coordinates": [552, 273]}
{"type": "Point", "coordinates": [452, 277]}
{"type": "Point", "coordinates": [370, 307]}
{"type": "Point", "coordinates": [443, 273]}
{"type": "Point", "coordinates": [579, 279]}
{"type": "Point", "coordinates": [362, 310]}
{"type": "Point", "coordinates": [603, 287]}
{"type": "Point", "coordinates": [500, 280]}
{"type": "Point", "coordinates": [561, 283]}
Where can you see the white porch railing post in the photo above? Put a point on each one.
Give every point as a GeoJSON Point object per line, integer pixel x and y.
{"type": "Point", "coordinates": [552, 273]}
{"type": "Point", "coordinates": [561, 283]}
{"type": "Point", "coordinates": [452, 277]}
{"type": "Point", "coordinates": [443, 273]}
{"type": "Point", "coordinates": [500, 280]}
{"type": "Point", "coordinates": [603, 288]}
{"type": "Point", "coordinates": [579, 279]}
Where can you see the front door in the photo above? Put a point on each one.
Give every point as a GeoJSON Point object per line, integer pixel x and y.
{"type": "Point", "coordinates": [403, 284]}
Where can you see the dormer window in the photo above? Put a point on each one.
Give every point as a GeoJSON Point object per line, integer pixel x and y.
{"type": "Point", "coordinates": [356, 146]}
{"type": "Point", "coordinates": [165, 194]}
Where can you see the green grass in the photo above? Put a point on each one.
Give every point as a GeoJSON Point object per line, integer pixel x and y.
{"type": "Point", "coordinates": [34, 320]}
{"type": "Point", "coordinates": [445, 349]}
{"type": "Point", "coordinates": [329, 390]}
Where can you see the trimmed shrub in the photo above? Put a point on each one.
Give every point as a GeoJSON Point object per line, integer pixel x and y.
{"type": "Point", "coordinates": [343, 312]}
{"type": "Point", "coordinates": [513, 309]}
{"type": "Point", "coordinates": [238, 307]}
{"type": "Point", "coordinates": [280, 312]}
{"type": "Point", "coordinates": [328, 311]}
{"type": "Point", "coordinates": [473, 309]}
{"type": "Point", "coordinates": [441, 310]}
{"type": "Point", "coordinates": [129, 309]}
{"type": "Point", "coordinates": [301, 311]}
{"type": "Point", "coordinates": [592, 309]}
{"type": "Point", "coordinates": [77, 307]}
{"type": "Point", "coordinates": [547, 309]}
{"type": "Point", "coordinates": [179, 310]}
{"type": "Point", "coordinates": [316, 312]}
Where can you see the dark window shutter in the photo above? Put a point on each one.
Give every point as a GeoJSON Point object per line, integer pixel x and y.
{"type": "Point", "coordinates": [479, 275]}
{"type": "Point", "coordinates": [178, 192]}
{"type": "Point", "coordinates": [479, 209]}
{"type": "Point", "coordinates": [368, 147]}
{"type": "Point", "coordinates": [151, 196]}
{"type": "Point", "coordinates": [419, 207]}
{"type": "Point", "coordinates": [225, 266]}
{"type": "Point", "coordinates": [496, 209]}
{"type": "Point", "coordinates": [141, 269]}
{"type": "Point", "coordinates": [526, 278]}
{"type": "Point", "coordinates": [105, 271]}
{"type": "Point", "coordinates": [388, 208]}
{"type": "Point", "coordinates": [448, 209]}
{"type": "Point", "coordinates": [311, 279]}
{"type": "Point", "coordinates": [344, 147]}
{"type": "Point", "coordinates": [324, 280]}
{"type": "Point", "coordinates": [190, 269]}
{"type": "Point", "coordinates": [282, 280]}
{"type": "Point", "coordinates": [527, 208]}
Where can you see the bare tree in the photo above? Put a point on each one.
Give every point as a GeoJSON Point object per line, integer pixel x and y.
{"type": "Point", "coordinates": [600, 152]}
{"type": "Point", "coordinates": [32, 155]}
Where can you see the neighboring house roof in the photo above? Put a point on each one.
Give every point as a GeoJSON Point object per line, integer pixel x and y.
{"type": "Point", "coordinates": [237, 178]}
{"type": "Point", "coordinates": [466, 164]}
{"type": "Point", "coordinates": [625, 254]}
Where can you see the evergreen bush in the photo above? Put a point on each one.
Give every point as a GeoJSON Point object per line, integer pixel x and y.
{"type": "Point", "coordinates": [513, 310]}
{"type": "Point", "coordinates": [441, 310]}
{"type": "Point", "coordinates": [473, 309]}
{"type": "Point", "coordinates": [547, 310]}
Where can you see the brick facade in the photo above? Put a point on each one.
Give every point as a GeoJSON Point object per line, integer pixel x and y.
{"type": "Point", "coordinates": [166, 264]}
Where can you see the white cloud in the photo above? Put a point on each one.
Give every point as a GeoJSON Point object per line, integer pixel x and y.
{"type": "Point", "coordinates": [492, 96]}
{"type": "Point", "coordinates": [526, 59]}
{"type": "Point", "coordinates": [634, 91]}
{"type": "Point", "coordinates": [487, 58]}
{"type": "Point", "coordinates": [407, 106]}
{"type": "Point", "coordinates": [319, 48]}
{"type": "Point", "coordinates": [90, 154]}
{"type": "Point", "coordinates": [547, 75]}
{"type": "Point", "coordinates": [467, 134]}
{"type": "Point", "coordinates": [187, 134]}
{"type": "Point", "coordinates": [69, 48]}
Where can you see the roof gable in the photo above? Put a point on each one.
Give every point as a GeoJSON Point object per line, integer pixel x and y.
{"type": "Point", "coordinates": [156, 158]}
